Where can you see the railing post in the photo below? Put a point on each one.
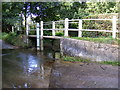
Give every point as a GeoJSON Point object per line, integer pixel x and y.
{"type": "Point", "coordinates": [27, 32]}
{"type": "Point", "coordinates": [41, 35]}
{"type": "Point", "coordinates": [66, 27]}
{"type": "Point", "coordinates": [13, 29]}
{"type": "Point", "coordinates": [41, 30]}
{"type": "Point", "coordinates": [114, 27]}
{"type": "Point", "coordinates": [80, 28]}
{"type": "Point", "coordinates": [18, 28]}
{"type": "Point", "coordinates": [53, 28]}
{"type": "Point", "coordinates": [38, 36]}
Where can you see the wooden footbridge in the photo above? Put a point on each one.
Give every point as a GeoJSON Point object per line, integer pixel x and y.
{"type": "Point", "coordinates": [40, 27]}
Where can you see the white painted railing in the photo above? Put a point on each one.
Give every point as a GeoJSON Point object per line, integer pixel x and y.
{"type": "Point", "coordinates": [66, 26]}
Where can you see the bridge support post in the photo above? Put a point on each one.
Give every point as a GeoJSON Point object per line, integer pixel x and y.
{"type": "Point", "coordinates": [114, 27]}
{"type": "Point", "coordinates": [41, 36]}
{"type": "Point", "coordinates": [53, 28]}
{"type": "Point", "coordinates": [13, 29]}
{"type": "Point", "coordinates": [80, 28]}
{"type": "Point", "coordinates": [66, 27]}
{"type": "Point", "coordinates": [27, 33]}
{"type": "Point", "coordinates": [61, 49]}
{"type": "Point", "coordinates": [38, 36]}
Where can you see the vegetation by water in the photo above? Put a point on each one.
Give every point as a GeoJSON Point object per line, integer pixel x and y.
{"type": "Point", "coordinates": [14, 39]}
{"type": "Point", "coordinates": [114, 63]}
{"type": "Point", "coordinates": [74, 59]}
{"type": "Point", "coordinates": [79, 59]}
{"type": "Point", "coordinates": [100, 40]}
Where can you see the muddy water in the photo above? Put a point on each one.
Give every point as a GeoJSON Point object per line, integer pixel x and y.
{"type": "Point", "coordinates": [26, 68]}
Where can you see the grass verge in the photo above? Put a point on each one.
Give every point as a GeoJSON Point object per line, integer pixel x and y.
{"type": "Point", "coordinates": [100, 40]}
{"type": "Point", "coordinates": [13, 39]}
{"type": "Point", "coordinates": [79, 59]}
{"type": "Point", "coordinates": [75, 59]}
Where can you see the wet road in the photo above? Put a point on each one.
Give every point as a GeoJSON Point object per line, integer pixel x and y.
{"type": "Point", "coordinates": [83, 75]}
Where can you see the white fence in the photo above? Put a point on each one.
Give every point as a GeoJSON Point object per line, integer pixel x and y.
{"type": "Point", "coordinates": [66, 22]}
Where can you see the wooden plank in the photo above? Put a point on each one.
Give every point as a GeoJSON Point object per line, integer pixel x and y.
{"type": "Point", "coordinates": [96, 30]}
{"type": "Point", "coordinates": [52, 37]}
{"type": "Point", "coordinates": [89, 19]}
{"type": "Point", "coordinates": [96, 19]}
{"type": "Point", "coordinates": [114, 27]}
{"type": "Point", "coordinates": [60, 21]}
{"type": "Point", "coordinates": [73, 22]}
{"type": "Point", "coordinates": [32, 29]}
{"type": "Point", "coordinates": [53, 28]}
{"type": "Point", "coordinates": [32, 35]}
{"type": "Point", "coordinates": [90, 30]}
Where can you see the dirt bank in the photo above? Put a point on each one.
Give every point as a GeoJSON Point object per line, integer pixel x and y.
{"type": "Point", "coordinates": [83, 75]}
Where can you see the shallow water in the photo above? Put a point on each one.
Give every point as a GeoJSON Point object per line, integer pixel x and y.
{"type": "Point", "coordinates": [26, 68]}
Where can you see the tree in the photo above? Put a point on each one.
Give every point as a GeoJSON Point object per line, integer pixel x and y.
{"type": "Point", "coordinates": [10, 15]}
{"type": "Point", "coordinates": [50, 11]}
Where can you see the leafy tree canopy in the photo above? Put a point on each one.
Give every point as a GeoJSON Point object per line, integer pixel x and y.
{"type": "Point", "coordinates": [49, 11]}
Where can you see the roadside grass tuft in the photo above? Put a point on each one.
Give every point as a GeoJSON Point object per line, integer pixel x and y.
{"type": "Point", "coordinates": [75, 59]}
{"type": "Point", "coordinates": [14, 39]}
{"type": "Point", "coordinates": [79, 59]}
{"type": "Point", "coordinates": [113, 63]}
{"type": "Point", "coordinates": [100, 40]}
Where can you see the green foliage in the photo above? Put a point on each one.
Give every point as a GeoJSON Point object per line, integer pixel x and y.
{"type": "Point", "coordinates": [52, 11]}
{"type": "Point", "coordinates": [47, 33]}
{"type": "Point", "coordinates": [75, 59]}
{"type": "Point", "coordinates": [59, 34]}
{"type": "Point", "coordinates": [101, 25]}
{"type": "Point", "coordinates": [32, 33]}
{"type": "Point", "coordinates": [73, 25]}
{"type": "Point", "coordinates": [95, 34]}
{"type": "Point", "coordinates": [10, 14]}
{"type": "Point", "coordinates": [100, 40]}
{"type": "Point", "coordinates": [14, 39]}
{"type": "Point", "coordinates": [114, 63]}
{"type": "Point", "coordinates": [102, 7]}
{"type": "Point", "coordinates": [3, 35]}
{"type": "Point", "coordinates": [79, 59]}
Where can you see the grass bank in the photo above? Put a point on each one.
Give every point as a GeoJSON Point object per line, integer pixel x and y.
{"type": "Point", "coordinates": [78, 59]}
{"type": "Point", "coordinates": [99, 40]}
{"type": "Point", "coordinates": [13, 39]}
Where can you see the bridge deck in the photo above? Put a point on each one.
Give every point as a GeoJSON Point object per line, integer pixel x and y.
{"type": "Point", "coordinates": [52, 37]}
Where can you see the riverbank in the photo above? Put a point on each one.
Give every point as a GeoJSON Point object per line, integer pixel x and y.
{"type": "Point", "coordinates": [4, 45]}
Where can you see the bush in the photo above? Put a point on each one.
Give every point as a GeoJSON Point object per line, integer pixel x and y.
{"type": "Point", "coordinates": [59, 34]}
{"type": "Point", "coordinates": [32, 32]}
{"type": "Point", "coordinates": [95, 34]}
{"type": "Point", "coordinates": [14, 39]}
{"type": "Point", "coordinates": [3, 35]}
{"type": "Point", "coordinates": [47, 33]}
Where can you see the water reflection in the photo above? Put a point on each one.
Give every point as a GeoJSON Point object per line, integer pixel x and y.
{"type": "Point", "coordinates": [24, 69]}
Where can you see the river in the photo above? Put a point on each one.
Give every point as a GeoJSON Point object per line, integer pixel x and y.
{"type": "Point", "coordinates": [26, 68]}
